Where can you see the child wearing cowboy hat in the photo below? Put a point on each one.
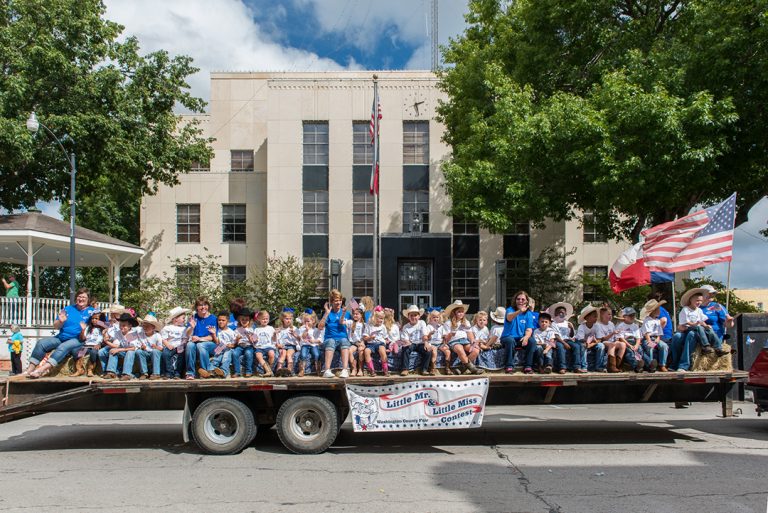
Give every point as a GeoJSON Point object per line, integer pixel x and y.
{"type": "Point", "coordinates": [494, 334]}
{"type": "Point", "coordinates": [561, 313]}
{"type": "Point", "coordinates": [458, 335]}
{"type": "Point", "coordinates": [652, 333]}
{"type": "Point", "coordinates": [629, 332]}
{"type": "Point", "coordinates": [175, 334]}
{"type": "Point", "coordinates": [692, 329]}
{"type": "Point", "coordinates": [415, 333]}
{"type": "Point", "coordinates": [585, 335]}
{"type": "Point", "coordinates": [125, 352]}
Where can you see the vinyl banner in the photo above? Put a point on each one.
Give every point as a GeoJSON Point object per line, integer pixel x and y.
{"type": "Point", "coordinates": [416, 405]}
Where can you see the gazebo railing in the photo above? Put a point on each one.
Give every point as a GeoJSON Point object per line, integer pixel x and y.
{"type": "Point", "coordinates": [13, 310]}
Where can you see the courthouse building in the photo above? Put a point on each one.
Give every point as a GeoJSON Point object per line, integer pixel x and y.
{"type": "Point", "coordinates": [290, 176]}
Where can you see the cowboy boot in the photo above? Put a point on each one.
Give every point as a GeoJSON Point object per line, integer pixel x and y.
{"type": "Point", "coordinates": [612, 364]}
{"type": "Point", "coordinates": [79, 370]}
{"type": "Point", "coordinates": [91, 367]}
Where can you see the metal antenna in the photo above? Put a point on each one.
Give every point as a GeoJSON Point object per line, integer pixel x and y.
{"type": "Point", "coordinates": [433, 37]}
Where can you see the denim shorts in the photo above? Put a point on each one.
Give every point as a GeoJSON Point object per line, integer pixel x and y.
{"type": "Point", "coordinates": [263, 350]}
{"type": "Point", "coordinates": [462, 341]}
{"type": "Point", "coordinates": [290, 347]}
{"type": "Point", "coordinates": [332, 344]}
{"type": "Point", "coordinates": [374, 347]}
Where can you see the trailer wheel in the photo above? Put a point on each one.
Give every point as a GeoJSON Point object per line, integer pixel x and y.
{"type": "Point", "coordinates": [307, 424]}
{"type": "Point", "coordinates": [222, 425]}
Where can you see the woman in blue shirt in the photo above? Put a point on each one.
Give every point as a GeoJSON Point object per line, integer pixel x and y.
{"type": "Point", "coordinates": [201, 342]}
{"type": "Point", "coordinates": [518, 328]}
{"type": "Point", "coordinates": [335, 334]}
{"type": "Point", "coordinates": [717, 315]}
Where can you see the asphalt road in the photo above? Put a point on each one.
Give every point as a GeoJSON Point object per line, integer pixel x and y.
{"type": "Point", "coordinates": [604, 458]}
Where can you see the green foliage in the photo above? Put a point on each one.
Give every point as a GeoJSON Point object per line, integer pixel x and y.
{"type": "Point", "coordinates": [601, 288]}
{"type": "Point", "coordinates": [736, 305]}
{"type": "Point", "coordinates": [637, 111]}
{"type": "Point", "coordinates": [549, 280]}
{"type": "Point", "coordinates": [285, 282]}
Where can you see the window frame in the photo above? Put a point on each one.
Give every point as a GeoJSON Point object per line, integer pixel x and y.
{"type": "Point", "coordinates": [226, 274]}
{"type": "Point", "coordinates": [187, 224]}
{"type": "Point", "coordinates": [245, 160]}
{"type": "Point", "coordinates": [361, 144]}
{"type": "Point", "coordinates": [234, 233]}
{"type": "Point", "coordinates": [591, 233]}
{"type": "Point", "coordinates": [415, 143]}
{"type": "Point", "coordinates": [309, 141]}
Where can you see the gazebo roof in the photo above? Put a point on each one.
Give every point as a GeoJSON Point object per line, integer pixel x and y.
{"type": "Point", "coordinates": [50, 240]}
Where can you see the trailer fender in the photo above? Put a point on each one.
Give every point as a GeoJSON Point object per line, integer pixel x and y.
{"type": "Point", "coordinates": [186, 421]}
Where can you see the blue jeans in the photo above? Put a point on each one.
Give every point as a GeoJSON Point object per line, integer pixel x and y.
{"type": "Point", "coordinates": [682, 345]}
{"type": "Point", "coordinates": [155, 355]}
{"type": "Point", "coordinates": [511, 344]}
{"type": "Point", "coordinates": [660, 352]}
{"type": "Point", "coordinates": [426, 356]}
{"type": "Point", "coordinates": [204, 349]}
{"type": "Point", "coordinates": [600, 359]}
{"type": "Point", "coordinates": [247, 354]}
{"type": "Point", "coordinates": [577, 355]}
{"type": "Point", "coordinates": [173, 361]}
{"type": "Point", "coordinates": [63, 350]}
{"type": "Point", "coordinates": [543, 360]}
{"type": "Point", "coordinates": [103, 358]}
{"type": "Point", "coordinates": [91, 352]}
{"type": "Point", "coordinates": [630, 356]}
{"type": "Point", "coordinates": [707, 337]}
{"type": "Point", "coordinates": [43, 346]}
{"type": "Point", "coordinates": [127, 357]}
{"type": "Point", "coordinates": [223, 361]}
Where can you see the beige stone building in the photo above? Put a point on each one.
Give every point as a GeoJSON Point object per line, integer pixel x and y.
{"type": "Point", "coordinates": [290, 176]}
{"type": "Point", "coordinates": [759, 297]}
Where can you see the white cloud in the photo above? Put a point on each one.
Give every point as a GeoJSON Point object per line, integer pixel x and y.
{"type": "Point", "coordinates": [219, 35]}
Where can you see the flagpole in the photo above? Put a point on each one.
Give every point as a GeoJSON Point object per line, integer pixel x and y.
{"type": "Point", "coordinates": [674, 304]}
{"type": "Point", "coordinates": [376, 266]}
{"type": "Point", "coordinates": [728, 287]}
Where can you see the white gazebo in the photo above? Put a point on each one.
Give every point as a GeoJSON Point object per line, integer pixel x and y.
{"type": "Point", "coordinates": [37, 240]}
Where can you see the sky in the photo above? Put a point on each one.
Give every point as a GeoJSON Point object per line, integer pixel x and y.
{"type": "Point", "coordinates": [320, 35]}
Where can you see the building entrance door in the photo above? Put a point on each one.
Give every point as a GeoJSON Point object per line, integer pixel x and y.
{"type": "Point", "coordinates": [414, 283]}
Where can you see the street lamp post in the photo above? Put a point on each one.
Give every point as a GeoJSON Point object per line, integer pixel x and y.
{"type": "Point", "coordinates": [33, 125]}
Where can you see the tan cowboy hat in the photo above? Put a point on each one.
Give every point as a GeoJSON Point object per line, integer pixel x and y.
{"type": "Point", "coordinates": [116, 308]}
{"type": "Point", "coordinates": [176, 312]}
{"type": "Point", "coordinates": [499, 315]}
{"type": "Point", "coordinates": [586, 311]}
{"type": "Point", "coordinates": [568, 309]}
{"type": "Point", "coordinates": [151, 319]}
{"type": "Point", "coordinates": [649, 307]}
{"type": "Point", "coordinates": [413, 309]}
{"type": "Point", "coordinates": [690, 292]}
{"type": "Point", "coordinates": [453, 306]}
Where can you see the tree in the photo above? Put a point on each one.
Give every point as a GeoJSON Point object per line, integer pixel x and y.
{"type": "Point", "coordinates": [62, 59]}
{"type": "Point", "coordinates": [549, 279]}
{"type": "Point", "coordinates": [634, 110]}
{"type": "Point", "coordinates": [736, 305]}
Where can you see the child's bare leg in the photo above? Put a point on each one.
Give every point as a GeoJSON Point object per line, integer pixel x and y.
{"type": "Point", "coordinates": [459, 350]}
{"type": "Point", "coordinates": [289, 359]}
{"type": "Point", "coordinates": [621, 348]}
{"type": "Point", "coordinates": [610, 348]}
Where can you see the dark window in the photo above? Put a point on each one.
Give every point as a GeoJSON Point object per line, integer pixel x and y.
{"type": "Point", "coordinates": [362, 149]}
{"type": "Point", "coordinates": [200, 167]}
{"type": "Point", "coordinates": [415, 211]}
{"type": "Point", "coordinates": [465, 228]}
{"type": "Point", "coordinates": [241, 161]}
{"type": "Point", "coordinates": [595, 272]}
{"type": "Point", "coordinates": [315, 178]}
{"type": "Point", "coordinates": [187, 223]}
{"type": "Point", "coordinates": [233, 223]}
{"type": "Point", "coordinates": [316, 143]}
{"type": "Point", "coordinates": [187, 277]}
{"type": "Point", "coordinates": [415, 178]}
{"type": "Point", "coordinates": [362, 277]}
{"type": "Point", "coordinates": [315, 246]}
{"type": "Point", "coordinates": [517, 246]}
{"type": "Point", "coordinates": [415, 142]}
{"type": "Point", "coordinates": [591, 232]}
{"type": "Point", "coordinates": [361, 178]}
{"type": "Point", "coordinates": [517, 277]}
{"type": "Point", "coordinates": [362, 246]}
{"type": "Point", "coordinates": [232, 274]}
{"type": "Point", "coordinates": [466, 246]}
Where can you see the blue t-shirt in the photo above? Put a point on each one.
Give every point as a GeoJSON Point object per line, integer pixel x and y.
{"type": "Point", "coordinates": [666, 333]}
{"type": "Point", "coordinates": [201, 328]}
{"type": "Point", "coordinates": [517, 326]}
{"type": "Point", "coordinates": [716, 314]}
{"type": "Point", "coordinates": [71, 327]}
{"type": "Point", "coordinates": [334, 330]}
{"type": "Point", "coordinates": [232, 322]}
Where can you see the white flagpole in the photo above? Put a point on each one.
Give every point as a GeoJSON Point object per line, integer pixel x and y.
{"type": "Point", "coordinates": [728, 287]}
{"type": "Point", "coordinates": [375, 114]}
{"type": "Point", "coordinates": [674, 304]}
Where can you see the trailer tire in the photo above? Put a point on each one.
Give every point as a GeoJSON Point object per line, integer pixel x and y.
{"type": "Point", "coordinates": [307, 424]}
{"type": "Point", "coordinates": [222, 425]}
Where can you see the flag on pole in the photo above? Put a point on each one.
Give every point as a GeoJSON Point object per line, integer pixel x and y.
{"type": "Point", "coordinates": [702, 238]}
{"type": "Point", "coordinates": [629, 271]}
{"type": "Point", "coordinates": [373, 129]}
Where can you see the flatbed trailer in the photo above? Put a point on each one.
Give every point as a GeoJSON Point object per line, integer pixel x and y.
{"type": "Point", "coordinates": [222, 416]}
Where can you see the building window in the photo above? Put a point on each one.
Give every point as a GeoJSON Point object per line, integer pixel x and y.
{"type": "Point", "coordinates": [362, 149]}
{"type": "Point", "coordinates": [315, 144]}
{"type": "Point", "coordinates": [466, 279]}
{"type": "Point", "coordinates": [517, 277]}
{"type": "Point", "coordinates": [187, 223]}
{"type": "Point", "coordinates": [233, 223]}
{"type": "Point", "coordinates": [416, 142]}
{"type": "Point", "coordinates": [362, 277]}
{"type": "Point", "coordinates": [520, 229]}
{"type": "Point", "coordinates": [592, 274]}
{"type": "Point", "coordinates": [187, 277]}
{"type": "Point", "coordinates": [465, 228]}
{"type": "Point", "coordinates": [315, 211]}
{"type": "Point", "coordinates": [321, 289]}
{"type": "Point", "coordinates": [241, 161]}
{"type": "Point", "coordinates": [232, 274]}
{"type": "Point", "coordinates": [415, 211]}
{"type": "Point", "coordinates": [200, 167]}
{"type": "Point", "coordinates": [362, 213]}
{"type": "Point", "coordinates": [591, 232]}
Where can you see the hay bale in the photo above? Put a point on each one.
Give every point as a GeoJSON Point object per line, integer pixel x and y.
{"type": "Point", "coordinates": [711, 362]}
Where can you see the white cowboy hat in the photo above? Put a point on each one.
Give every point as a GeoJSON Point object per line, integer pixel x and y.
{"type": "Point", "coordinates": [649, 307]}
{"type": "Point", "coordinates": [413, 309]}
{"type": "Point", "coordinates": [116, 308]}
{"type": "Point", "coordinates": [690, 292]}
{"type": "Point", "coordinates": [176, 312]}
{"type": "Point", "coordinates": [453, 306]}
{"type": "Point", "coordinates": [586, 311]}
{"type": "Point", "coordinates": [568, 309]}
{"type": "Point", "coordinates": [499, 315]}
{"type": "Point", "coordinates": [151, 319]}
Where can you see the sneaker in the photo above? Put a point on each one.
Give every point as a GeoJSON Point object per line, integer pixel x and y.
{"type": "Point", "coordinates": [344, 373]}
{"type": "Point", "coordinates": [681, 370]}
{"type": "Point", "coordinates": [527, 370]}
{"type": "Point", "coordinates": [329, 374]}
{"type": "Point", "coordinates": [509, 370]}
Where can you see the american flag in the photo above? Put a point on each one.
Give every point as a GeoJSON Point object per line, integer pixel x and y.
{"type": "Point", "coordinates": [373, 129]}
{"type": "Point", "coordinates": [702, 238]}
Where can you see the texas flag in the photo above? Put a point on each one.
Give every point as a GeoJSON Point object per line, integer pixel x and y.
{"type": "Point", "coordinates": [629, 271]}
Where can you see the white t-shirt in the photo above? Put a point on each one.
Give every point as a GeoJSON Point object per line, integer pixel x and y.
{"type": "Point", "coordinates": [154, 341]}
{"type": "Point", "coordinates": [113, 331]}
{"type": "Point", "coordinates": [652, 326]}
{"type": "Point", "coordinates": [263, 337]}
{"type": "Point", "coordinates": [481, 335]}
{"type": "Point", "coordinates": [496, 331]}
{"type": "Point", "coordinates": [564, 328]}
{"type": "Point", "coordinates": [435, 332]}
{"type": "Point", "coordinates": [629, 330]}
{"type": "Point", "coordinates": [459, 332]}
{"type": "Point", "coordinates": [584, 332]}
{"type": "Point", "coordinates": [379, 333]}
{"type": "Point", "coordinates": [93, 337]}
{"type": "Point", "coordinates": [287, 337]}
{"type": "Point", "coordinates": [413, 333]}
{"type": "Point", "coordinates": [393, 334]}
{"type": "Point", "coordinates": [603, 330]}
{"type": "Point", "coordinates": [548, 337]}
{"type": "Point", "coordinates": [244, 336]}
{"type": "Point", "coordinates": [226, 336]}
{"type": "Point", "coordinates": [134, 338]}
{"type": "Point", "coordinates": [173, 334]}
{"type": "Point", "coordinates": [689, 315]}
{"type": "Point", "coordinates": [355, 335]}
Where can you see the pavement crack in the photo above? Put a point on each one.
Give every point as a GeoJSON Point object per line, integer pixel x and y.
{"type": "Point", "coordinates": [525, 483]}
